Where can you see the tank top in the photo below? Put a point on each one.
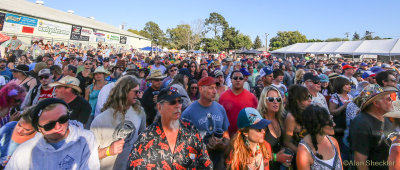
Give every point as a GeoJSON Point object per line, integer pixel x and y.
{"type": "Point", "coordinates": [93, 95]}
{"type": "Point", "coordinates": [319, 164]}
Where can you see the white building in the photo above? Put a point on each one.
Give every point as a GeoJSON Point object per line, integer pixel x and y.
{"type": "Point", "coordinates": [30, 21]}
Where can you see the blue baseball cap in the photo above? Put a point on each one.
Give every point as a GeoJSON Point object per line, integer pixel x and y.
{"type": "Point", "coordinates": [323, 78]}
{"type": "Point", "coordinates": [266, 71]}
{"type": "Point", "coordinates": [376, 69]}
{"type": "Point", "coordinates": [245, 72]}
{"type": "Point", "coordinates": [364, 64]}
{"type": "Point", "coordinates": [250, 117]}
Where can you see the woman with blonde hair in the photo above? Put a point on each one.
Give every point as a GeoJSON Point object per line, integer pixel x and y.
{"type": "Point", "coordinates": [298, 79]}
{"type": "Point", "coordinates": [248, 148]}
{"type": "Point", "coordinates": [118, 126]}
{"type": "Point", "coordinates": [271, 108]}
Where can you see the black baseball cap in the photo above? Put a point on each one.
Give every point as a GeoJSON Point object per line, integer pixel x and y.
{"type": "Point", "coordinates": [310, 76]}
{"type": "Point", "coordinates": [168, 94]}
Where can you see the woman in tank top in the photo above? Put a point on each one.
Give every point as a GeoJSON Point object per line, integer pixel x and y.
{"type": "Point", "coordinates": [318, 150]}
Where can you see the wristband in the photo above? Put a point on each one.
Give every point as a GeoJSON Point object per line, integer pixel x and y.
{"type": "Point", "coordinates": [108, 151]}
{"type": "Point", "coordinates": [274, 155]}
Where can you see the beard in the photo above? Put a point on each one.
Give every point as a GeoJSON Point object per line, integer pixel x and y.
{"type": "Point", "coordinates": [174, 125]}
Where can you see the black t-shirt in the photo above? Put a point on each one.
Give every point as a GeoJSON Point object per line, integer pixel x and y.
{"type": "Point", "coordinates": [80, 109]}
{"type": "Point", "coordinates": [83, 82]}
{"type": "Point", "coordinates": [148, 105]}
{"type": "Point", "coordinates": [365, 135]}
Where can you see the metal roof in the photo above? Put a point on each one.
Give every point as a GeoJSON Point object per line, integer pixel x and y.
{"type": "Point", "coordinates": [43, 12]}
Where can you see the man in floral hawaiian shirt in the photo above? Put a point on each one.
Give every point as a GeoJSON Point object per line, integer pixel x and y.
{"type": "Point", "coordinates": [170, 143]}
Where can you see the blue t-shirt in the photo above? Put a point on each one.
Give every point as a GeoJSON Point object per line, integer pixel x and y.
{"type": "Point", "coordinates": [197, 115]}
{"type": "Point", "coordinates": [7, 74]}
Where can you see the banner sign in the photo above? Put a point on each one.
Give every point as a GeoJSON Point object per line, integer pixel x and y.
{"type": "Point", "coordinates": [29, 30]}
{"type": "Point", "coordinates": [16, 19]}
{"type": "Point", "coordinates": [122, 40]}
{"type": "Point", "coordinates": [84, 38]}
{"type": "Point", "coordinates": [52, 28]}
{"type": "Point", "coordinates": [76, 32]}
{"type": "Point", "coordinates": [2, 17]}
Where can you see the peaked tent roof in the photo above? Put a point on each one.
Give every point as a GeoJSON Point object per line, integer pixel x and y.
{"type": "Point", "coordinates": [44, 12]}
{"type": "Point", "coordinates": [373, 47]}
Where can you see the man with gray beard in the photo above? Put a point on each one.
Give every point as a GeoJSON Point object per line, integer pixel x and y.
{"type": "Point", "coordinates": [170, 143]}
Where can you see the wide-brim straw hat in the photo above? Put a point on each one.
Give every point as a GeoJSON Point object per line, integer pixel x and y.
{"type": "Point", "coordinates": [155, 74]}
{"type": "Point", "coordinates": [68, 81]}
{"type": "Point", "coordinates": [372, 92]}
{"type": "Point", "coordinates": [101, 69]}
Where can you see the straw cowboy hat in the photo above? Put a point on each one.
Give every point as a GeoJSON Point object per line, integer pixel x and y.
{"type": "Point", "coordinates": [68, 81]}
{"type": "Point", "coordinates": [101, 70]}
{"type": "Point", "coordinates": [155, 74]}
{"type": "Point", "coordinates": [372, 92]}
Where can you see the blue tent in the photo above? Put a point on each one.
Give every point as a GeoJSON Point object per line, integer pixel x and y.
{"type": "Point", "coordinates": [151, 49]}
{"type": "Point", "coordinates": [197, 52]}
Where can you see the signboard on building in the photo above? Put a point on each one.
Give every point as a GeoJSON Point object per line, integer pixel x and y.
{"type": "Point", "coordinates": [47, 28]}
{"type": "Point", "coordinates": [17, 19]}
{"type": "Point", "coordinates": [29, 30]}
{"type": "Point", "coordinates": [76, 32]}
{"type": "Point", "coordinates": [11, 27]}
{"type": "Point", "coordinates": [123, 39]}
{"type": "Point", "coordinates": [2, 18]}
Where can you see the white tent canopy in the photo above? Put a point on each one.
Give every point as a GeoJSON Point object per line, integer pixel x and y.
{"type": "Point", "coordinates": [388, 47]}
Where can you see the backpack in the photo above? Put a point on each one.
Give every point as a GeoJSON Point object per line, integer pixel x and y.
{"type": "Point", "coordinates": [34, 93]}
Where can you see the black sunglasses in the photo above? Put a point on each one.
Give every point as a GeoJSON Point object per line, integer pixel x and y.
{"type": "Point", "coordinates": [43, 77]}
{"type": "Point", "coordinates": [137, 92]}
{"type": "Point", "coordinates": [174, 102]}
{"type": "Point", "coordinates": [315, 81]}
{"type": "Point", "coordinates": [173, 70]}
{"type": "Point", "coordinates": [52, 124]}
{"type": "Point", "coordinates": [236, 78]}
{"type": "Point", "coordinates": [271, 99]}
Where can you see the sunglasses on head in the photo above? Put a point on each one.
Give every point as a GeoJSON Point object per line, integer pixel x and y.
{"type": "Point", "coordinates": [174, 102]}
{"type": "Point", "coordinates": [236, 78]}
{"type": "Point", "coordinates": [43, 77]}
{"type": "Point", "coordinates": [272, 99]}
{"type": "Point", "coordinates": [52, 124]}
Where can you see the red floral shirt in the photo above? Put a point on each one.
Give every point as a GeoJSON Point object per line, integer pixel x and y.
{"type": "Point", "coordinates": [151, 150]}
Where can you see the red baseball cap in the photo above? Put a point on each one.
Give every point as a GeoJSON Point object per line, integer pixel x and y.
{"type": "Point", "coordinates": [207, 81]}
{"type": "Point", "coordinates": [348, 67]}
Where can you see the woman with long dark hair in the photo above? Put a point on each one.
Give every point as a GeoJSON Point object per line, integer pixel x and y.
{"type": "Point", "coordinates": [318, 150]}
{"type": "Point", "coordinates": [193, 69]}
{"type": "Point", "coordinates": [193, 90]}
{"type": "Point", "coordinates": [298, 99]}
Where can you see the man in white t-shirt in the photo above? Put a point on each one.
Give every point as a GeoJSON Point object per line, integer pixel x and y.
{"type": "Point", "coordinates": [313, 84]}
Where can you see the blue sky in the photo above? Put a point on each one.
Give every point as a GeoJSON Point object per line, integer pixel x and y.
{"type": "Point", "coordinates": [319, 19]}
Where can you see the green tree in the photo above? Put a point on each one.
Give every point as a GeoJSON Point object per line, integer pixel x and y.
{"type": "Point", "coordinates": [242, 40]}
{"type": "Point", "coordinates": [368, 35]}
{"type": "Point", "coordinates": [285, 38]}
{"type": "Point", "coordinates": [180, 36]}
{"type": "Point", "coordinates": [356, 36]}
{"type": "Point", "coordinates": [212, 44]}
{"type": "Point", "coordinates": [257, 43]}
{"type": "Point", "coordinates": [377, 38]}
{"type": "Point", "coordinates": [141, 33]}
{"type": "Point", "coordinates": [228, 38]}
{"type": "Point", "coordinates": [215, 23]}
{"type": "Point", "coordinates": [156, 34]}
{"type": "Point", "coordinates": [315, 40]}
{"type": "Point", "coordinates": [336, 39]}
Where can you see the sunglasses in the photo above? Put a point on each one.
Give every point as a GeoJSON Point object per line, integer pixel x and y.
{"type": "Point", "coordinates": [315, 81]}
{"type": "Point", "coordinates": [185, 65]}
{"type": "Point", "coordinates": [193, 88]}
{"type": "Point", "coordinates": [393, 80]}
{"type": "Point", "coordinates": [137, 92]}
{"type": "Point", "coordinates": [173, 70]}
{"type": "Point", "coordinates": [43, 77]}
{"type": "Point", "coordinates": [272, 99]}
{"type": "Point", "coordinates": [309, 96]}
{"type": "Point", "coordinates": [157, 79]}
{"type": "Point", "coordinates": [52, 124]}
{"type": "Point", "coordinates": [236, 78]}
{"type": "Point", "coordinates": [193, 66]}
{"type": "Point", "coordinates": [88, 63]}
{"type": "Point", "coordinates": [174, 102]}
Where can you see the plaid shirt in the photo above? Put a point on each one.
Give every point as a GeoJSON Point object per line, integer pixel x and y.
{"type": "Point", "coordinates": [151, 151]}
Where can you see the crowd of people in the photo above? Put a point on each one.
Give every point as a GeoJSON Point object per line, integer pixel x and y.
{"type": "Point", "coordinates": [62, 107]}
